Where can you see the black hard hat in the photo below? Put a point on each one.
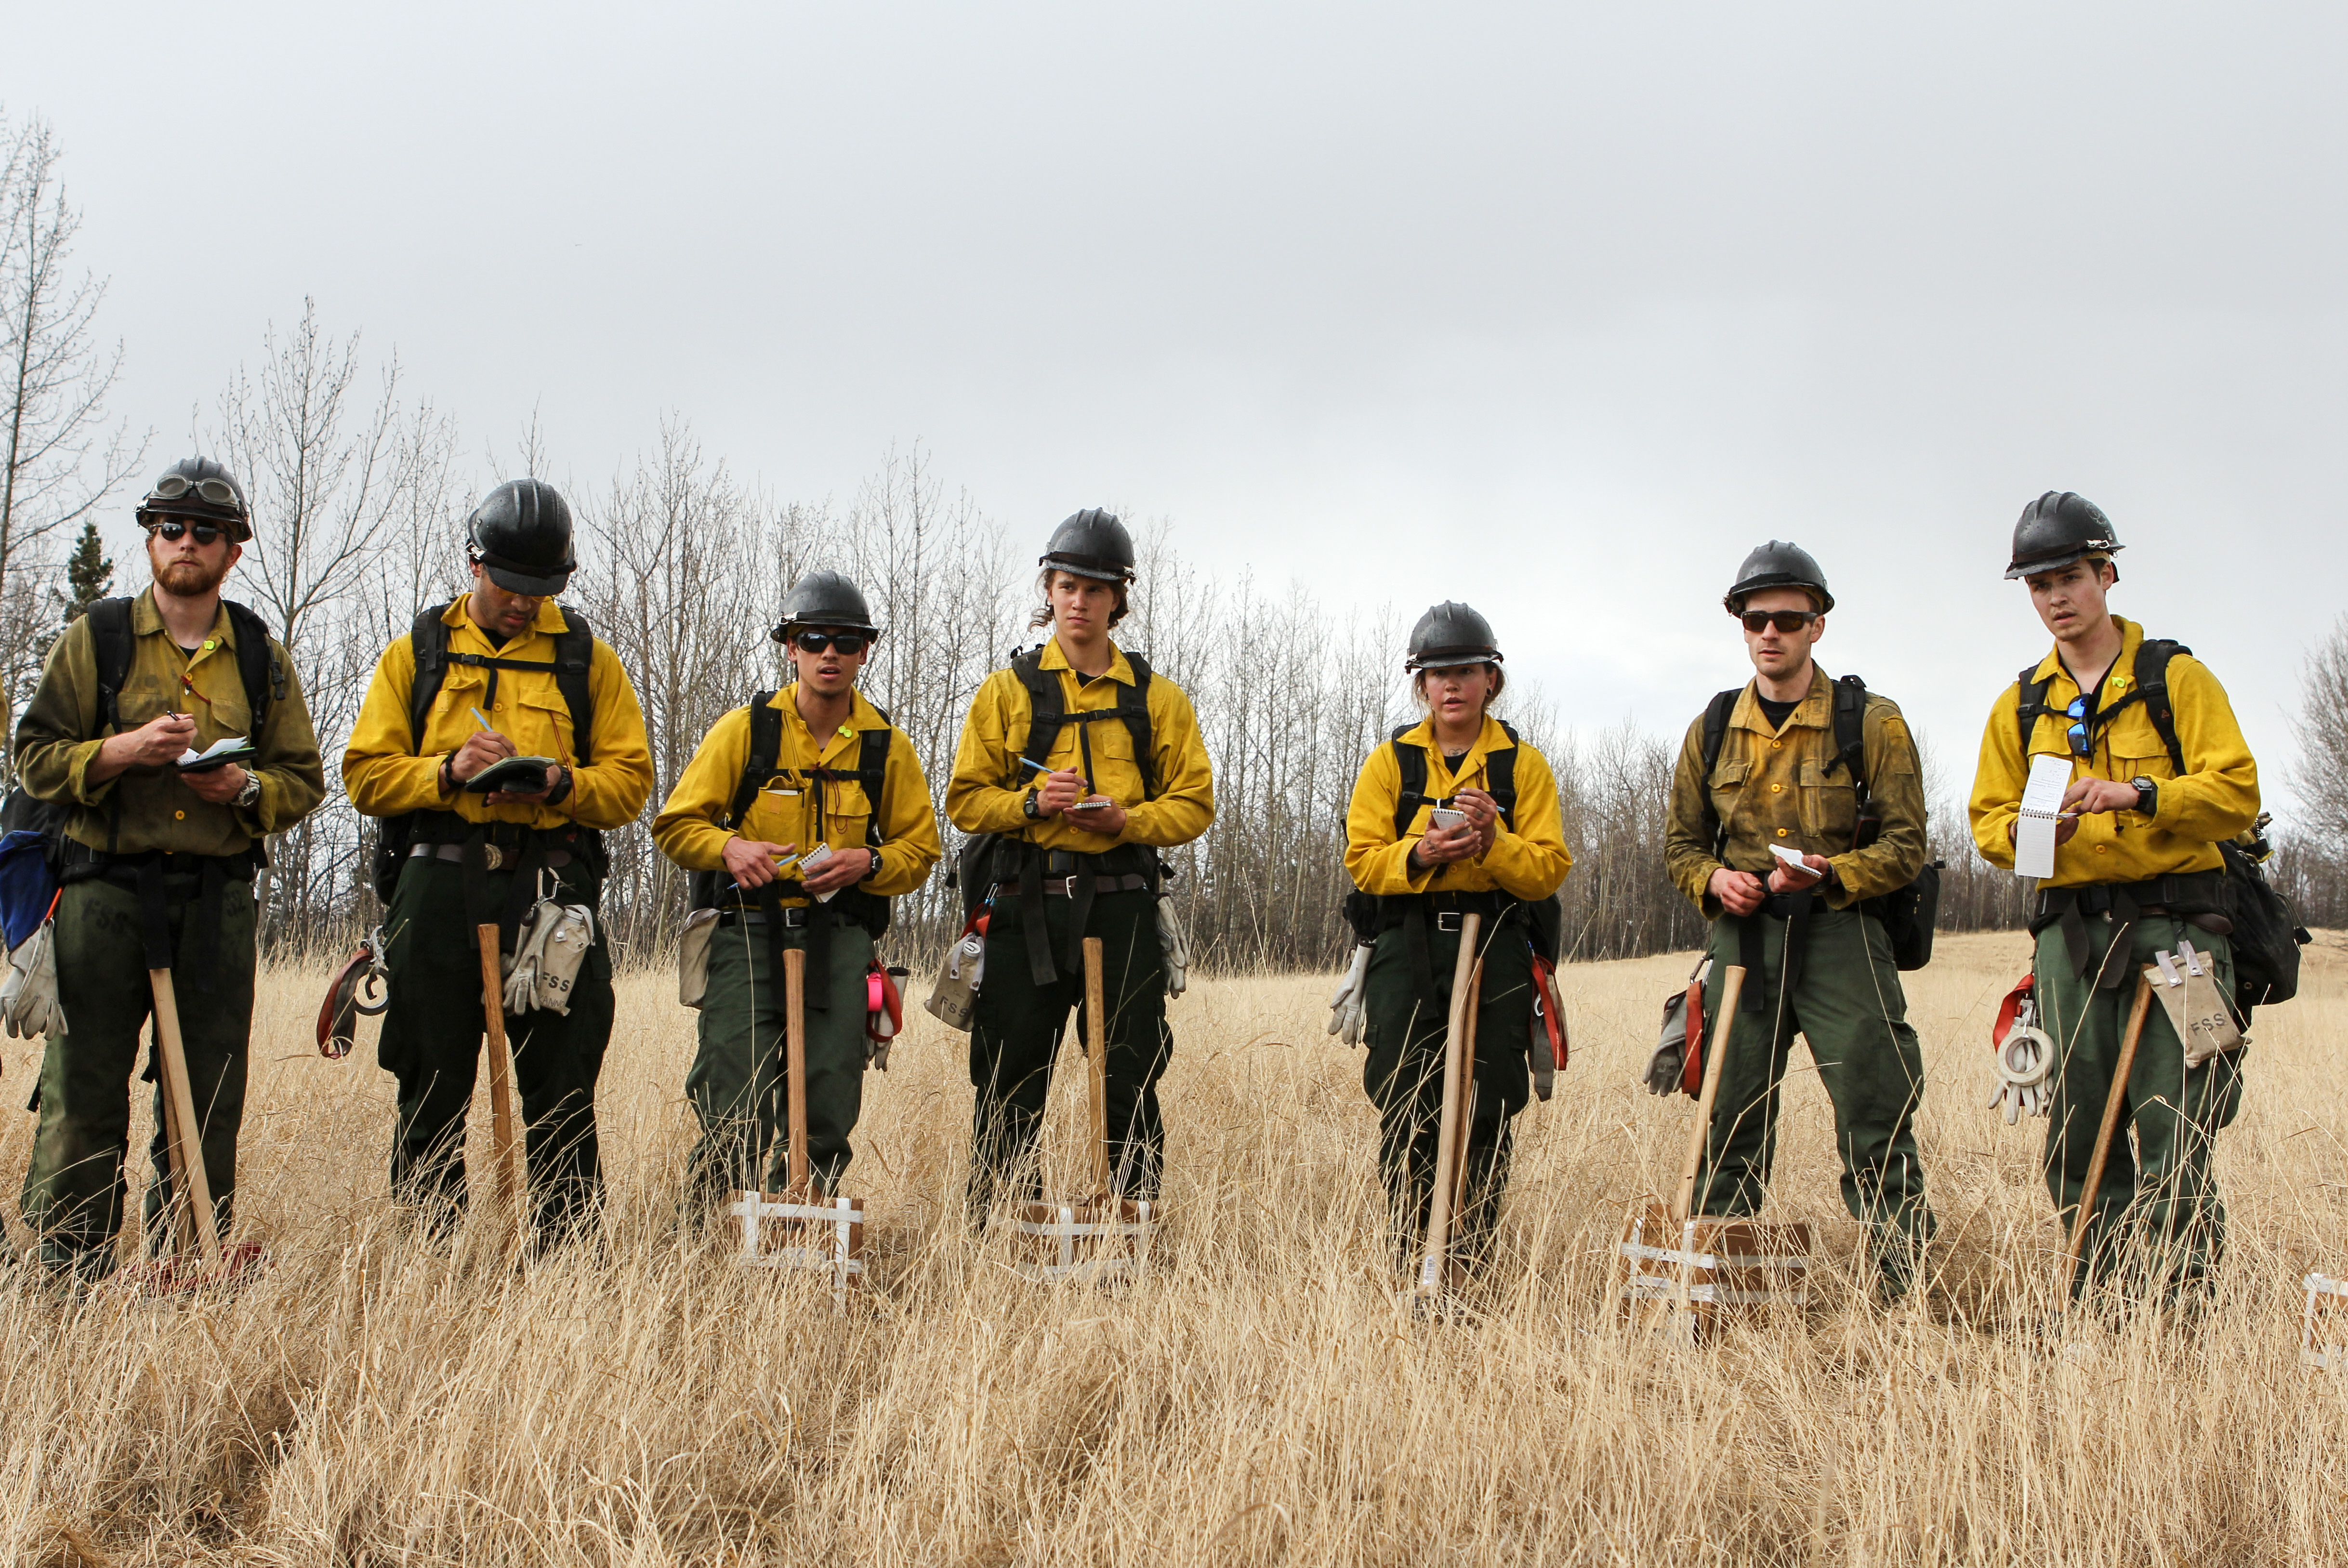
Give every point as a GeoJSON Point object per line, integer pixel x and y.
{"type": "Point", "coordinates": [1449, 636]}
{"type": "Point", "coordinates": [521, 535]}
{"type": "Point", "coordinates": [2057, 529]}
{"type": "Point", "coordinates": [1780, 564]}
{"type": "Point", "coordinates": [1092, 543]}
{"type": "Point", "coordinates": [825, 599]}
{"type": "Point", "coordinates": [197, 488]}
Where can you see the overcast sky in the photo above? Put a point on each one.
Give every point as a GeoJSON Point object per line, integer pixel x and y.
{"type": "Point", "coordinates": [1554, 309]}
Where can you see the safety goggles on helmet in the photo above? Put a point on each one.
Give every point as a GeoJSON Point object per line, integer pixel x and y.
{"type": "Point", "coordinates": [1784, 620]}
{"type": "Point", "coordinates": [172, 529]}
{"type": "Point", "coordinates": [218, 492]}
{"type": "Point", "coordinates": [808, 640]}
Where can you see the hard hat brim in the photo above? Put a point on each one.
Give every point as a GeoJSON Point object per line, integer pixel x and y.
{"type": "Point", "coordinates": [1097, 571]}
{"type": "Point", "coordinates": [1452, 658]}
{"type": "Point", "coordinates": [2068, 556]}
{"type": "Point", "coordinates": [523, 583]}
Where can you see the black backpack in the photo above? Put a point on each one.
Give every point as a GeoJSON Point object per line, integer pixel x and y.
{"type": "Point", "coordinates": [258, 666]}
{"type": "Point", "coordinates": [974, 866]}
{"type": "Point", "coordinates": [574, 653]}
{"type": "Point", "coordinates": [1909, 913]}
{"type": "Point", "coordinates": [1370, 912]}
{"type": "Point", "coordinates": [763, 761]}
{"type": "Point", "coordinates": [2267, 934]}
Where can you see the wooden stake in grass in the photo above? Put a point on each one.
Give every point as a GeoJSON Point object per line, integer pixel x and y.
{"type": "Point", "coordinates": [1732, 985]}
{"type": "Point", "coordinates": [1434, 1268]}
{"type": "Point", "coordinates": [501, 1115]}
{"type": "Point", "coordinates": [191, 1185]}
{"type": "Point", "coordinates": [1096, 1064]}
{"type": "Point", "coordinates": [2095, 1184]}
{"type": "Point", "coordinates": [795, 1069]}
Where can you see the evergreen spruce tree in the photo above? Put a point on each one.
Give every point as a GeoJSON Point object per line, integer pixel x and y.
{"type": "Point", "coordinates": [89, 575]}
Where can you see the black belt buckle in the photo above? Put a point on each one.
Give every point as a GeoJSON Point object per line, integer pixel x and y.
{"type": "Point", "coordinates": [1446, 920]}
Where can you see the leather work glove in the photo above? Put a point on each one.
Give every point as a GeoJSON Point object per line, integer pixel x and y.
{"type": "Point", "coordinates": [2025, 1062]}
{"type": "Point", "coordinates": [1176, 946]}
{"type": "Point", "coordinates": [28, 998]}
{"type": "Point", "coordinates": [1349, 1005]}
{"type": "Point", "coordinates": [1665, 1067]}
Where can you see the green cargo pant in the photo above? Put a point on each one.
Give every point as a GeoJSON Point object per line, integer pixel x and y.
{"type": "Point", "coordinates": [431, 1042]}
{"type": "Point", "coordinates": [736, 1082]}
{"type": "Point", "coordinates": [74, 1191]}
{"type": "Point", "coordinates": [1016, 1033]}
{"type": "Point", "coordinates": [1847, 1003]}
{"type": "Point", "coordinates": [2158, 1213]}
{"type": "Point", "coordinates": [1404, 1075]}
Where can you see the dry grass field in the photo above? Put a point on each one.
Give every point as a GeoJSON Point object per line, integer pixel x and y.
{"type": "Point", "coordinates": [1260, 1399]}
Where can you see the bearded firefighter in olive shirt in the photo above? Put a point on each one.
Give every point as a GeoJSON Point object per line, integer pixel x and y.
{"type": "Point", "coordinates": [812, 766]}
{"type": "Point", "coordinates": [157, 863]}
{"type": "Point", "coordinates": [1086, 763]}
{"type": "Point", "coordinates": [503, 672]}
{"type": "Point", "coordinates": [1811, 938]}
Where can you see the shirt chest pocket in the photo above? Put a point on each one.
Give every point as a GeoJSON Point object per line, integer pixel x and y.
{"type": "Point", "coordinates": [542, 724]}
{"type": "Point", "coordinates": [1728, 780]}
{"type": "Point", "coordinates": [1114, 771]}
{"type": "Point", "coordinates": [777, 813]}
{"type": "Point", "coordinates": [2132, 747]}
{"type": "Point", "coordinates": [1829, 801]}
{"type": "Point", "coordinates": [846, 809]}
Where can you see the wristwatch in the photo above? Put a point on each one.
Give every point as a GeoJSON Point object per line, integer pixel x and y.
{"type": "Point", "coordinates": [251, 790]}
{"type": "Point", "coordinates": [2147, 794]}
{"type": "Point", "coordinates": [1029, 808]}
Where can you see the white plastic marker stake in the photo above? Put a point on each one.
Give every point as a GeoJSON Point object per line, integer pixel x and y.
{"type": "Point", "coordinates": [2042, 808]}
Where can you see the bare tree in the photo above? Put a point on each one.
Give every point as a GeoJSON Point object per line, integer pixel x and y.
{"type": "Point", "coordinates": [58, 458]}
{"type": "Point", "coordinates": [2320, 777]}
{"type": "Point", "coordinates": [336, 479]}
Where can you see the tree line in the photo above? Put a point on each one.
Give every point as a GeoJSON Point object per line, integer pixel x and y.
{"type": "Point", "coordinates": [359, 488]}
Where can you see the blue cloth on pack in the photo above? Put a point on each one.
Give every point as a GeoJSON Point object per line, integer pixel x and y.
{"type": "Point", "coordinates": [27, 885]}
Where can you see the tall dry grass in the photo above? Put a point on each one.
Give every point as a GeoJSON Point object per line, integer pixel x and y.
{"type": "Point", "coordinates": [1260, 1399]}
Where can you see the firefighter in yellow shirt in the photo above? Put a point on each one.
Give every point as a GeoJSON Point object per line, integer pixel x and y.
{"type": "Point", "coordinates": [502, 675]}
{"type": "Point", "coordinates": [2137, 869]}
{"type": "Point", "coordinates": [1505, 860]}
{"type": "Point", "coordinates": [1079, 764]}
{"type": "Point", "coordinates": [813, 766]}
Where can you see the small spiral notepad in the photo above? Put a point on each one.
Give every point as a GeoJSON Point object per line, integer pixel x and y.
{"type": "Point", "coordinates": [2042, 808]}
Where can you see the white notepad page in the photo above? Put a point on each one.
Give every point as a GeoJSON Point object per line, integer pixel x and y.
{"type": "Point", "coordinates": [2041, 803]}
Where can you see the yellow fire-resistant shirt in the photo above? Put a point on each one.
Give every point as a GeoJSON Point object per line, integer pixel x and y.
{"type": "Point", "coordinates": [152, 808]}
{"type": "Point", "coordinates": [785, 810]}
{"type": "Point", "coordinates": [388, 774]}
{"type": "Point", "coordinates": [1529, 861]}
{"type": "Point", "coordinates": [2216, 797]}
{"type": "Point", "coordinates": [1774, 787]}
{"type": "Point", "coordinates": [990, 784]}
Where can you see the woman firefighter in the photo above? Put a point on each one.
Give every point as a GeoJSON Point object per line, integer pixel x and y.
{"type": "Point", "coordinates": [1503, 857]}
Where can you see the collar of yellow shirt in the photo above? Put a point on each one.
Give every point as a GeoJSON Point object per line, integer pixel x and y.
{"type": "Point", "coordinates": [861, 717]}
{"type": "Point", "coordinates": [1815, 711]}
{"type": "Point", "coordinates": [2117, 680]}
{"type": "Point", "coordinates": [1488, 740]}
{"type": "Point", "coordinates": [549, 622]}
{"type": "Point", "coordinates": [1052, 658]}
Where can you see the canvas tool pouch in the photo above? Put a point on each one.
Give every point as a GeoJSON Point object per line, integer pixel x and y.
{"type": "Point", "coordinates": [954, 997]}
{"type": "Point", "coordinates": [693, 956]}
{"type": "Point", "coordinates": [2185, 981]}
{"type": "Point", "coordinates": [549, 948]}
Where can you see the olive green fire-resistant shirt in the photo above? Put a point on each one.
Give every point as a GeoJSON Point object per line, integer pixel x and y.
{"type": "Point", "coordinates": [1773, 787]}
{"type": "Point", "coordinates": [152, 808]}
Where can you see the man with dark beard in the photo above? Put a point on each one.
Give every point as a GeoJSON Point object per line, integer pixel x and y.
{"type": "Point", "coordinates": [156, 862]}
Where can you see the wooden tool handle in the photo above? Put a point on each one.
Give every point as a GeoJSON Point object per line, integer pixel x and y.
{"type": "Point", "coordinates": [190, 1182]}
{"type": "Point", "coordinates": [795, 1060]}
{"type": "Point", "coordinates": [1724, 1022]}
{"type": "Point", "coordinates": [1433, 1271]}
{"type": "Point", "coordinates": [2104, 1134]}
{"type": "Point", "coordinates": [1097, 1061]}
{"type": "Point", "coordinates": [501, 1111]}
{"type": "Point", "coordinates": [1460, 1105]}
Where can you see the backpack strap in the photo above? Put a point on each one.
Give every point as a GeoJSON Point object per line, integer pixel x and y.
{"type": "Point", "coordinates": [1716, 735]}
{"type": "Point", "coordinates": [2030, 704]}
{"type": "Point", "coordinates": [765, 754]}
{"type": "Point", "coordinates": [257, 663]}
{"type": "Point", "coordinates": [2152, 656]}
{"type": "Point", "coordinates": [574, 657]}
{"type": "Point", "coordinates": [1850, 732]}
{"type": "Point", "coordinates": [110, 627]}
{"type": "Point", "coordinates": [1500, 774]}
{"type": "Point", "coordinates": [1047, 713]}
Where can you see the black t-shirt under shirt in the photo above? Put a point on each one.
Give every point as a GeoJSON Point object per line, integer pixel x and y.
{"type": "Point", "coordinates": [1777, 713]}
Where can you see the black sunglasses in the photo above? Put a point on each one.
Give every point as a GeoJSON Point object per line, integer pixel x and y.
{"type": "Point", "coordinates": [1784, 620]}
{"type": "Point", "coordinates": [172, 487]}
{"type": "Point", "coordinates": [172, 528]}
{"type": "Point", "coordinates": [848, 642]}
